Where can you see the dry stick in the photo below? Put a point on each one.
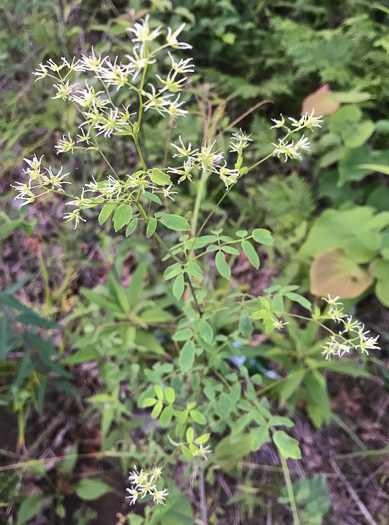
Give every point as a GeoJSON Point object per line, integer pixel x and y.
{"type": "Point", "coordinates": [253, 108]}
{"type": "Point", "coordinates": [369, 518]}
{"type": "Point", "coordinates": [379, 452]}
{"type": "Point", "coordinates": [203, 502]}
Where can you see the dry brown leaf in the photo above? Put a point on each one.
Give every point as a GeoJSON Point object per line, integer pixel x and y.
{"type": "Point", "coordinates": [323, 101]}
{"type": "Point", "coordinates": [335, 274]}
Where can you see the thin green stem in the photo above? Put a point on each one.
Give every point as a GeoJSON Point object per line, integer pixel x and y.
{"type": "Point", "coordinates": [289, 488]}
{"type": "Point", "coordinates": [136, 140]}
{"type": "Point", "coordinates": [199, 197]}
{"type": "Point", "coordinates": [155, 234]}
{"type": "Point", "coordinates": [140, 96]}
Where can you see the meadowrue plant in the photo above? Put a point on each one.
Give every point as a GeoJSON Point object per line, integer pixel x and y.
{"type": "Point", "coordinates": [204, 388]}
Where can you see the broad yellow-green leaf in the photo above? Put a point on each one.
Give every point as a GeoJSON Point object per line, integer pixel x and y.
{"type": "Point", "coordinates": [198, 417]}
{"type": "Point", "coordinates": [263, 236]}
{"type": "Point", "coordinates": [122, 217]}
{"type": "Point", "coordinates": [92, 488]}
{"type": "Point", "coordinates": [29, 508]}
{"type": "Point", "coordinates": [251, 254]}
{"type": "Point", "coordinates": [287, 446]}
{"type": "Point", "coordinates": [166, 416]}
{"type": "Point", "coordinates": [222, 265]}
{"type": "Point", "coordinates": [178, 287]}
{"type": "Point", "coordinates": [105, 212]}
{"type": "Point", "coordinates": [175, 222]}
{"type": "Point", "coordinates": [159, 177]}
{"type": "Point", "coordinates": [151, 227]}
{"type": "Point", "coordinates": [186, 357]}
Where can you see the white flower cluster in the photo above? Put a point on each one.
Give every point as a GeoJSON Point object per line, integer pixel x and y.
{"type": "Point", "coordinates": [293, 149]}
{"type": "Point", "coordinates": [101, 117]}
{"type": "Point", "coordinates": [41, 181]}
{"type": "Point", "coordinates": [97, 106]}
{"type": "Point", "coordinates": [358, 338]}
{"type": "Point", "coordinates": [308, 120]}
{"type": "Point", "coordinates": [201, 451]}
{"type": "Point", "coordinates": [144, 484]}
{"type": "Point", "coordinates": [208, 159]}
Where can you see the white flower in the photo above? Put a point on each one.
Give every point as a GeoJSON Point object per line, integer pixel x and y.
{"type": "Point", "coordinates": [73, 65]}
{"type": "Point", "coordinates": [93, 117]}
{"type": "Point", "coordinates": [303, 143]}
{"type": "Point", "coordinates": [208, 158]}
{"type": "Point", "coordinates": [170, 84]}
{"type": "Point", "coordinates": [174, 110]}
{"type": "Point", "coordinates": [40, 72]}
{"type": "Point", "coordinates": [184, 172]}
{"type": "Point", "coordinates": [115, 74]}
{"type": "Point", "coordinates": [159, 496]}
{"type": "Point", "coordinates": [307, 121]}
{"type": "Point", "coordinates": [91, 62]}
{"type": "Point", "coordinates": [350, 325]}
{"type": "Point", "coordinates": [156, 101]}
{"type": "Point", "coordinates": [55, 180]}
{"type": "Point", "coordinates": [368, 343]}
{"type": "Point", "coordinates": [310, 121]}
{"type": "Point", "coordinates": [336, 314]}
{"type": "Point", "coordinates": [278, 324]}
{"type": "Point", "coordinates": [239, 141]}
{"type": "Point", "coordinates": [183, 66]}
{"type": "Point", "coordinates": [288, 149]}
{"type": "Point", "coordinates": [73, 216]}
{"type": "Point", "coordinates": [89, 97]}
{"type": "Point", "coordinates": [335, 348]}
{"type": "Point", "coordinates": [55, 67]}
{"type": "Point", "coordinates": [138, 478]}
{"type": "Point", "coordinates": [83, 137]}
{"type": "Point", "coordinates": [297, 123]}
{"type": "Point", "coordinates": [227, 175]}
{"type": "Point", "coordinates": [139, 61]}
{"type": "Point", "coordinates": [35, 165]}
{"type": "Point", "coordinates": [332, 301]}
{"type": "Point", "coordinates": [183, 151]}
{"type": "Point", "coordinates": [278, 123]}
{"type": "Point", "coordinates": [92, 186]}
{"type": "Point", "coordinates": [171, 38]}
{"type": "Point", "coordinates": [112, 186]}
{"type": "Point", "coordinates": [167, 193]}
{"type": "Point", "coordinates": [109, 123]}
{"type": "Point", "coordinates": [64, 90]}
{"type": "Point", "coordinates": [156, 473]}
{"type": "Point", "coordinates": [65, 144]}
{"type": "Point", "coordinates": [23, 189]}
{"type": "Point", "coordinates": [133, 496]}
{"type": "Point", "coordinates": [203, 451]}
{"type": "Point", "coordinates": [80, 202]}
{"type": "Point", "coordinates": [142, 31]}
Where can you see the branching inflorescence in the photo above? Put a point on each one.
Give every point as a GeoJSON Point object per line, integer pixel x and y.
{"type": "Point", "coordinates": [90, 83]}
{"type": "Point", "coordinates": [351, 336]}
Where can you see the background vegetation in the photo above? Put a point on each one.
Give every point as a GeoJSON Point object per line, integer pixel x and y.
{"type": "Point", "coordinates": [73, 377]}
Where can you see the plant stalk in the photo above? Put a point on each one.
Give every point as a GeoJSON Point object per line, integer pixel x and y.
{"type": "Point", "coordinates": [289, 487]}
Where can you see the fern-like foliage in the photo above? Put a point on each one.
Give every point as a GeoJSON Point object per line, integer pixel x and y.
{"type": "Point", "coordinates": [282, 203]}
